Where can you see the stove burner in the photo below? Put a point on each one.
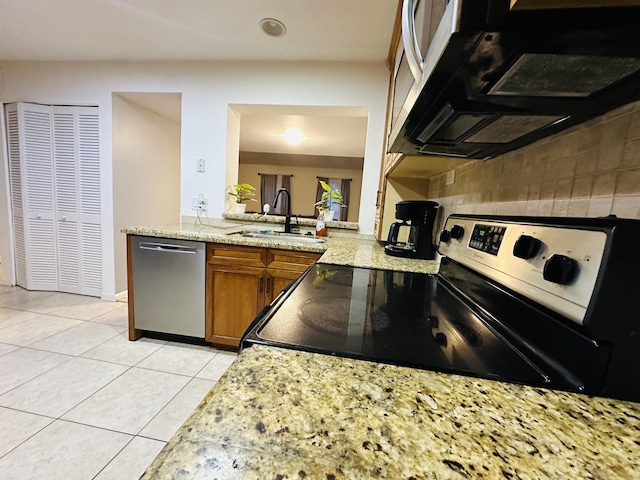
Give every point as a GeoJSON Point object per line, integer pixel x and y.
{"type": "Point", "coordinates": [329, 314]}
{"type": "Point", "coordinates": [380, 321]}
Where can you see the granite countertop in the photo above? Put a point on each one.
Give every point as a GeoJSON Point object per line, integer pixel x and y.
{"type": "Point", "coordinates": [279, 414]}
{"type": "Point", "coordinates": [343, 247]}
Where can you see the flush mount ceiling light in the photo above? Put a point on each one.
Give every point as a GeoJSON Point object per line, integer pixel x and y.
{"type": "Point", "coordinates": [293, 136]}
{"type": "Point", "coordinates": [273, 27]}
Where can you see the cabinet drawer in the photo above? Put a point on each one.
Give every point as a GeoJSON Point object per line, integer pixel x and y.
{"type": "Point", "coordinates": [290, 260]}
{"type": "Point", "coordinates": [220, 254]}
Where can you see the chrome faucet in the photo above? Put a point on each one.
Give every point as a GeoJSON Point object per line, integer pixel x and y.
{"type": "Point", "coordinates": [287, 218]}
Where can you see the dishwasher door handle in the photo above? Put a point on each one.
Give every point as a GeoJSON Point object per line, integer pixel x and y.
{"type": "Point", "coordinates": [166, 247]}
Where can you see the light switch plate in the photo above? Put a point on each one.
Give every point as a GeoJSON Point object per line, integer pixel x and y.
{"type": "Point", "coordinates": [451, 177]}
{"type": "Point", "coordinates": [200, 167]}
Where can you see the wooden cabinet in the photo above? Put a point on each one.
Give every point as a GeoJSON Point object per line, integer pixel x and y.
{"type": "Point", "coordinates": [389, 160]}
{"type": "Point", "coordinates": [242, 280]}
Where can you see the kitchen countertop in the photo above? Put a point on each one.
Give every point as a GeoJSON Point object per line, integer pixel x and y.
{"type": "Point", "coordinates": [341, 248]}
{"type": "Point", "coordinates": [279, 414]}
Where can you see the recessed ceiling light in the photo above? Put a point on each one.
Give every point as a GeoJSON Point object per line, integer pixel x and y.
{"type": "Point", "coordinates": [293, 136]}
{"type": "Point", "coordinates": [273, 27]}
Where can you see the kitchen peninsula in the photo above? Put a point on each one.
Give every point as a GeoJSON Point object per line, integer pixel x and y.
{"type": "Point", "coordinates": [281, 413]}
{"type": "Point", "coordinates": [247, 264]}
{"type": "Point", "coordinates": [344, 245]}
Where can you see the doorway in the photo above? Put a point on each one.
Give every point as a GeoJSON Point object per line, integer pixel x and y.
{"type": "Point", "coordinates": [146, 146]}
{"type": "Point", "coordinates": [333, 146]}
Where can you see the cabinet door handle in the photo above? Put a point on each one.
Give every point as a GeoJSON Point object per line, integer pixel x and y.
{"type": "Point", "coordinates": [261, 282]}
{"type": "Point", "coordinates": [269, 283]}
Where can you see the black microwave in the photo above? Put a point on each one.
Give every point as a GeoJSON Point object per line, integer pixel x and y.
{"type": "Point", "coordinates": [478, 78]}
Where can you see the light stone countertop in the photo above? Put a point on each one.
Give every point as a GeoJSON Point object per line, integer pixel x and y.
{"type": "Point", "coordinates": [285, 414]}
{"type": "Point", "coordinates": [343, 247]}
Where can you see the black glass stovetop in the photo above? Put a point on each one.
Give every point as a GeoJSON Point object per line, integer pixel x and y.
{"type": "Point", "coordinates": [401, 318]}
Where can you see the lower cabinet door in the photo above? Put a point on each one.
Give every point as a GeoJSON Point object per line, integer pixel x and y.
{"type": "Point", "coordinates": [235, 296]}
{"type": "Point", "coordinates": [277, 280]}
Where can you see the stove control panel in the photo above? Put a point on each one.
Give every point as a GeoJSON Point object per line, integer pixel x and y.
{"type": "Point", "coordinates": [556, 266]}
{"type": "Point", "coordinates": [487, 238]}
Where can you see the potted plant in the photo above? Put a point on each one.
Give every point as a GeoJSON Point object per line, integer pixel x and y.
{"type": "Point", "coordinates": [329, 197]}
{"type": "Point", "coordinates": [244, 193]}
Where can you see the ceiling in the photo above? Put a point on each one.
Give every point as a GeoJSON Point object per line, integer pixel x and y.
{"type": "Point", "coordinates": [196, 30]}
{"type": "Point", "coordinates": [214, 30]}
{"type": "Point", "coordinates": [329, 131]}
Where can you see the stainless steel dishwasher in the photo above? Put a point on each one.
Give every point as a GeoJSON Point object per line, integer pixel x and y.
{"type": "Point", "coordinates": [168, 285]}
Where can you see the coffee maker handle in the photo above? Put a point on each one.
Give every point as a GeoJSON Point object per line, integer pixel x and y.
{"type": "Point", "coordinates": [393, 232]}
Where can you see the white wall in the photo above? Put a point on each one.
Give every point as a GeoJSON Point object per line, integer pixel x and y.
{"type": "Point", "coordinates": [207, 89]}
{"type": "Point", "coordinates": [146, 174]}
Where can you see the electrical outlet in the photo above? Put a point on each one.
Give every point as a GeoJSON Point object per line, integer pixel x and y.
{"type": "Point", "coordinates": [199, 203]}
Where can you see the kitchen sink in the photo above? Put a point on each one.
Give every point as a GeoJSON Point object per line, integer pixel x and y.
{"type": "Point", "coordinates": [288, 237]}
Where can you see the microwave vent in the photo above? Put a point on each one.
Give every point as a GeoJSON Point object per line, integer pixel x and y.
{"type": "Point", "coordinates": [449, 151]}
{"type": "Point", "coordinates": [508, 128]}
{"type": "Point", "coordinates": [551, 75]}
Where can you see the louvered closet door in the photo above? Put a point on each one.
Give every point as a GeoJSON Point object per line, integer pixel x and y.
{"type": "Point", "coordinates": [15, 183]}
{"type": "Point", "coordinates": [77, 187]}
{"type": "Point", "coordinates": [32, 189]}
{"type": "Point", "coordinates": [56, 197]}
{"type": "Point", "coordinates": [90, 220]}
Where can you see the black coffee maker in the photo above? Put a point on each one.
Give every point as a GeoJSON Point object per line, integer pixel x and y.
{"type": "Point", "coordinates": [413, 237]}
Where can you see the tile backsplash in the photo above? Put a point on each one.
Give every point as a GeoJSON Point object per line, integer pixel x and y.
{"type": "Point", "coordinates": [589, 170]}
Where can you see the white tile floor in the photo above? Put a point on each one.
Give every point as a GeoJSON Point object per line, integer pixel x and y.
{"type": "Point", "coordinates": [78, 400]}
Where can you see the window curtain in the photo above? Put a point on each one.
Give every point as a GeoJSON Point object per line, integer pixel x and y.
{"type": "Point", "coordinates": [283, 201]}
{"type": "Point", "coordinates": [345, 190]}
{"type": "Point", "coordinates": [267, 189]}
{"type": "Point", "coordinates": [320, 191]}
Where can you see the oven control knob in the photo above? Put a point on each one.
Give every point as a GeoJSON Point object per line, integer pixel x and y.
{"type": "Point", "coordinates": [457, 232]}
{"type": "Point", "coordinates": [526, 247]}
{"type": "Point", "coordinates": [433, 321]}
{"type": "Point", "coordinates": [445, 236]}
{"type": "Point", "coordinates": [560, 269]}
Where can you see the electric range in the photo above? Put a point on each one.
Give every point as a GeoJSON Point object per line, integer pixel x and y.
{"type": "Point", "coordinates": [540, 301]}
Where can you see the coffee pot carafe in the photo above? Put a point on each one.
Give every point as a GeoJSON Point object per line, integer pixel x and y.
{"type": "Point", "coordinates": [413, 236]}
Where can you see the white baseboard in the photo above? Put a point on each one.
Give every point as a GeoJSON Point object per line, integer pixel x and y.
{"type": "Point", "coordinates": [114, 298]}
